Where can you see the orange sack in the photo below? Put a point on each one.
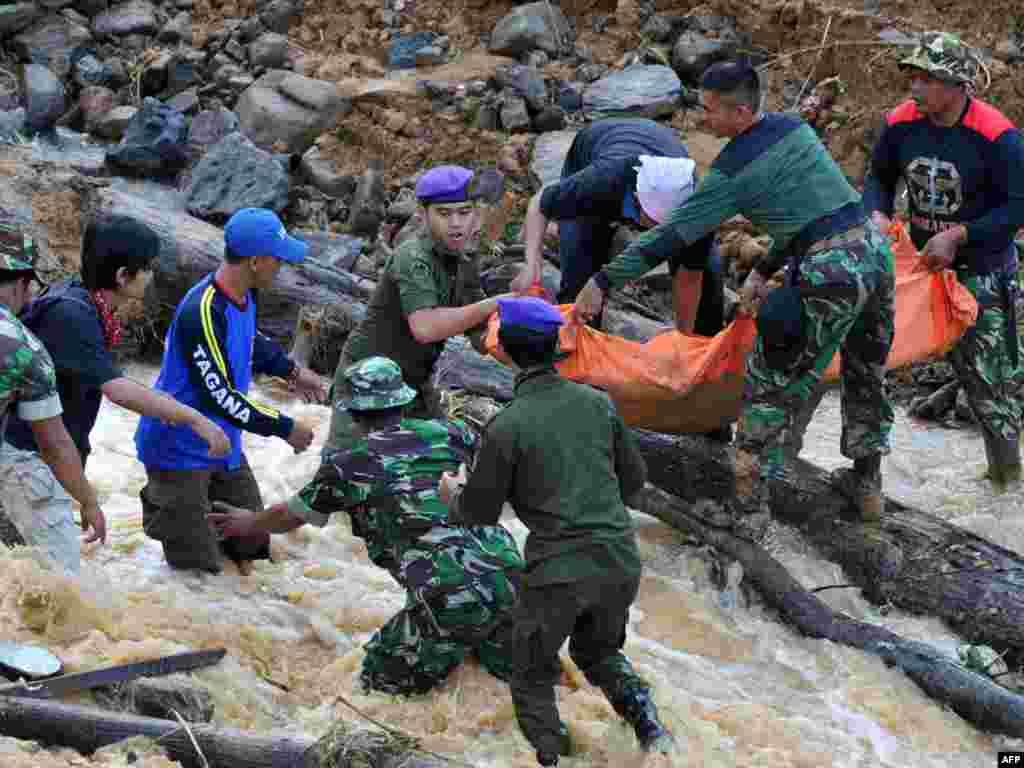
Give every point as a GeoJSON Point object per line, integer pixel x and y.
{"type": "Point", "coordinates": [680, 383]}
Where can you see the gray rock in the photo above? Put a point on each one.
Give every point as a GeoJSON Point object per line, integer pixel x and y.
{"type": "Point", "coordinates": [549, 152]}
{"type": "Point", "coordinates": [212, 125]}
{"type": "Point", "coordinates": [268, 50]}
{"type": "Point", "coordinates": [488, 117]}
{"type": "Point", "coordinates": [896, 37]}
{"type": "Point", "coordinates": [535, 59]}
{"type": "Point", "coordinates": [368, 203]}
{"type": "Point", "coordinates": [570, 96]}
{"type": "Point", "coordinates": [250, 29]}
{"type": "Point", "coordinates": [224, 74]}
{"type": "Point", "coordinates": [88, 70]}
{"type": "Point", "coordinates": [322, 174]}
{"type": "Point", "coordinates": [75, 17]}
{"type": "Point", "coordinates": [15, 17]}
{"type": "Point", "coordinates": [693, 53]}
{"type": "Point", "coordinates": [54, 5]}
{"type": "Point", "coordinates": [95, 102]}
{"type": "Point", "coordinates": [12, 125]}
{"type": "Point", "coordinates": [136, 17]}
{"type": "Point", "coordinates": [236, 174]}
{"type": "Point", "coordinates": [186, 102]}
{"type": "Point", "coordinates": [591, 72]}
{"type": "Point", "coordinates": [154, 77]}
{"type": "Point", "coordinates": [430, 56]}
{"type": "Point", "coordinates": [45, 99]}
{"type": "Point", "coordinates": [1010, 50]}
{"type": "Point", "coordinates": [641, 91]}
{"type": "Point", "coordinates": [113, 124]}
{"type": "Point", "coordinates": [235, 50]}
{"type": "Point", "coordinates": [154, 142]}
{"type": "Point", "coordinates": [658, 29]}
{"type": "Point", "coordinates": [549, 119]}
{"type": "Point", "coordinates": [525, 82]}
{"type": "Point", "coordinates": [278, 15]}
{"type": "Point", "coordinates": [177, 30]}
{"type": "Point", "coordinates": [532, 26]}
{"type": "Point", "coordinates": [50, 42]}
{"type": "Point", "coordinates": [284, 107]}
{"type": "Point", "coordinates": [514, 117]}
{"type": "Point", "coordinates": [90, 8]}
{"type": "Point", "coordinates": [185, 5]}
{"type": "Point", "coordinates": [183, 71]}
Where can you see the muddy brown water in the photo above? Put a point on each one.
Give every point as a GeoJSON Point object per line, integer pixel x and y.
{"type": "Point", "coordinates": [736, 686]}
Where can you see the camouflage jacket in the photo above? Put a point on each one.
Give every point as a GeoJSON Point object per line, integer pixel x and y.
{"type": "Point", "coordinates": [27, 375]}
{"type": "Point", "coordinates": [388, 485]}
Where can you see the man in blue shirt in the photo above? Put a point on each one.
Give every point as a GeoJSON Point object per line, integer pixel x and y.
{"type": "Point", "coordinates": [623, 170]}
{"type": "Point", "coordinates": [211, 353]}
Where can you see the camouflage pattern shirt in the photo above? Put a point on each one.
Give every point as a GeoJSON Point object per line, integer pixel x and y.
{"type": "Point", "coordinates": [27, 375]}
{"type": "Point", "coordinates": [388, 485]}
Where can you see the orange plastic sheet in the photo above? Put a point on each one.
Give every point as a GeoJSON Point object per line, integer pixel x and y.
{"type": "Point", "coordinates": [681, 383]}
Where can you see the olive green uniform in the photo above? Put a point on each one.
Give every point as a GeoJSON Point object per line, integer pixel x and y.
{"type": "Point", "coordinates": [420, 274]}
{"type": "Point", "coordinates": [561, 455]}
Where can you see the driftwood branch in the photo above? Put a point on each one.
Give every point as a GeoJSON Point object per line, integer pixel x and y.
{"type": "Point", "coordinates": [86, 730]}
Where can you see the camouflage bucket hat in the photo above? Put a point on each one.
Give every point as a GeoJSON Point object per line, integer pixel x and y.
{"type": "Point", "coordinates": [17, 251]}
{"type": "Point", "coordinates": [375, 383]}
{"type": "Point", "coordinates": [945, 57]}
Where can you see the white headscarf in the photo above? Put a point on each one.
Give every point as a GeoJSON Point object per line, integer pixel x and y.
{"type": "Point", "coordinates": [663, 183]}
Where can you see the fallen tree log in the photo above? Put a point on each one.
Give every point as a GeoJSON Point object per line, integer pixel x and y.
{"type": "Point", "coordinates": [191, 248]}
{"type": "Point", "coordinates": [913, 560]}
{"type": "Point", "coordinates": [973, 696]}
{"type": "Point", "coordinates": [85, 729]}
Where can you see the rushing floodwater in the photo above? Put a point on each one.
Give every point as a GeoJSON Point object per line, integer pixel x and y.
{"type": "Point", "coordinates": [737, 687]}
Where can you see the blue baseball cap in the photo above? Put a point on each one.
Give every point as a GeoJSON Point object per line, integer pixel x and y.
{"type": "Point", "coordinates": [258, 232]}
{"type": "Point", "coordinates": [530, 313]}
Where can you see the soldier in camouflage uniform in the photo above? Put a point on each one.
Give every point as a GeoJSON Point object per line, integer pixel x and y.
{"type": "Point", "coordinates": [428, 291]}
{"type": "Point", "coordinates": [839, 294]}
{"type": "Point", "coordinates": [35, 488]}
{"type": "Point", "coordinates": [460, 581]}
{"type": "Point", "coordinates": [963, 164]}
{"type": "Point", "coordinates": [562, 457]}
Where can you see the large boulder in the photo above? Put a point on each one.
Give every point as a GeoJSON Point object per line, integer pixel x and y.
{"type": "Point", "coordinates": [643, 90]}
{"type": "Point", "coordinates": [51, 41]}
{"type": "Point", "coordinates": [531, 27]}
{"type": "Point", "coordinates": [44, 97]}
{"type": "Point", "coordinates": [527, 82]}
{"type": "Point", "coordinates": [136, 17]}
{"type": "Point", "coordinates": [289, 110]}
{"type": "Point", "coordinates": [549, 152]}
{"type": "Point", "coordinates": [154, 144]}
{"type": "Point", "coordinates": [694, 52]}
{"type": "Point", "coordinates": [234, 174]}
{"type": "Point", "coordinates": [15, 17]}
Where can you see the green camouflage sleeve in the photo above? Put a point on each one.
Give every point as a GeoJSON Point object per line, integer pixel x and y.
{"type": "Point", "coordinates": [328, 492]}
{"type": "Point", "coordinates": [713, 202]}
{"type": "Point", "coordinates": [27, 374]}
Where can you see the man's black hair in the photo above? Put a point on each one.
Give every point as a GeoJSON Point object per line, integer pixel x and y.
{"type": "Point", "coordinates": [736, 80]}
{"type": "Point", "coordinates": [112, 243]}
{"type": "Point", "coordinates": [527, 348]}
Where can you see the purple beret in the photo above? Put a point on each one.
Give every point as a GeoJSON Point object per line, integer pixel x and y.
{"type": "Point", "coordinates": [529, 312]}
{"type": "Point", "coordinates": [444, 184]}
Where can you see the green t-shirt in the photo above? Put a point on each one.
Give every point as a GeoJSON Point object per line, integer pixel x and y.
{"type": "Point", "coordinates": [418, 275]}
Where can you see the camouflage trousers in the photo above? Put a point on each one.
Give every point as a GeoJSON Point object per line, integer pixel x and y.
{"type": "Point", "coordinates": [461, 587]}
{"type": "Point", "coordinates": [593, 615]}
{"type": "Point", "coordinates": [982, 360]}
{"type": "Point", "coordinates": [39, 507]}
{"type": "Point", "coordinates": [343, 435]}
{"type": "Point", "coordinates": [848, 297]}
